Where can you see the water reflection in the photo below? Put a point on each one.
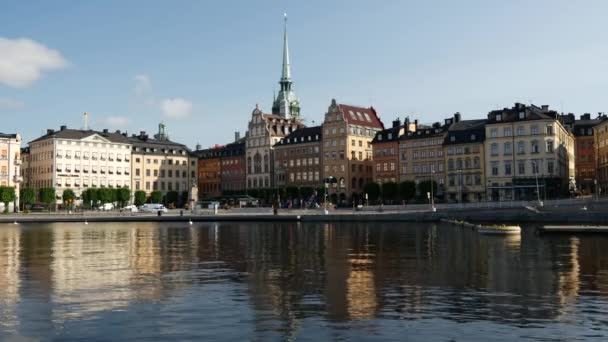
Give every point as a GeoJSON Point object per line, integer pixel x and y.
{"type": "Point", "coordinates": [269, 280]}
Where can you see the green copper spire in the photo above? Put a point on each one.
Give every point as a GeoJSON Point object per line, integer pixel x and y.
{"type": "Point", "coordinates": [286, 75]}
{"type": "Point", "coordinates": [286, 104]}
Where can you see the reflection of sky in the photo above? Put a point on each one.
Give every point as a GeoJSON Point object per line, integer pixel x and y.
{"type": "Point", "coordinates": [260, 281]}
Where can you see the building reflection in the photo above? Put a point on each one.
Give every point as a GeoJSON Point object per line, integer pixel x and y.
{"type": "Point", "coordinates": [10, 282]}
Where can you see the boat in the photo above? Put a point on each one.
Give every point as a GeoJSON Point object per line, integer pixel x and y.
{"type": "Point", "coordinates": [499, 230]}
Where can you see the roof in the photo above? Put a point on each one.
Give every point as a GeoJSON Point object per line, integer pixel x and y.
{"type": "Point", "coordinates": [8, 135]}
{"type": "Point", "coordinates": [383, 135]}
{"type": "Point", "coordinates": [79, 134]}
{"type": "Point", "coordinates": [208, 153]}
{"type": "Point", "coordinates": [156, 146]}
{"type": "Point", "coordinates": [234, 149]}
{"type": "Point", "coordinates": [466, 131]}
{"type": "Point", "coordinates": [302, 136]}
{"type": "Point", "coordinates": [426, 132]}
{"type": "Point", "coordinates": [531, 112]}
{"type": "Point", "coordinates": [360, 116]}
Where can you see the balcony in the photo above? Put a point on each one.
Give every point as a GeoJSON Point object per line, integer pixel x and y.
{"type": "Point", "coordinates": [17, 179]}
{"type": "Point", "coordinates": [17, 161]}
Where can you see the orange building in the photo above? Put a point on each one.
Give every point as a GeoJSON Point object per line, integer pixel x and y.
{"type": "Point", "coordinates": [209, 172]}
{"type": "Point", "coordinates": [584, 142]}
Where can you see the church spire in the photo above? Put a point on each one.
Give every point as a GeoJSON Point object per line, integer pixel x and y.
{"type": "Point", "coordinates": [286, 75]}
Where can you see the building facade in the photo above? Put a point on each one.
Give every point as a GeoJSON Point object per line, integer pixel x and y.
{"type": "Point", "coordinates": [79, 159]}
{"type": "Point", "coordinates": [348, 132]}
{"type": "Point", "coordinates": [160, 164]}
{"type": "Point", "coordinates": [264, 132]}
{"type": "Point", "coordinates": [600, 135]}
{"type": "Point", "coordinates": [209, 172]}
{"type": "Point", "coordinates": [463, 149]}
{"type": "Point", "coordinates": [298, 158]}
{"type": "Point", "coordinates": [385, 150]}
{"type": "Point", "coordinates": [421, 154]}
{"type": "Point", "coordinates": [529, 154]}
{"type": "Point", "coordinates": [585, 162]}
{"type": "Point", "coordinates": [10, 163]}
{"type": "Point", "coordinates": [233, 177]}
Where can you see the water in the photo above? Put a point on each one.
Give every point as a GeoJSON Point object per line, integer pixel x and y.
{"type": "Point", "coordinates": [287, 281]}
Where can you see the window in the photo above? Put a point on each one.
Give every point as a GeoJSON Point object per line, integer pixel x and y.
{"type": "Point", "coordinates": [550, 130]}
{"type": "Point", "coordinates": [534, 166]}
{"type": "Point", "coordinates": [494, 132]}
{"type": "Point", "coordinates": [534, 145]}
{"type": "Point", "coordinates": [522, 115]}
{"type": "Point", "coordinates": [508, 150]}
{"type": "Point", "coordinates": [507, 131]}
{"type": "Point", "coordinates": [498, 117]}
{"type": "Point", "coordinates": [534, 130]}
{"type": "Point", "coordinates": [521, 167]}
{"type": "Point", "coordinates": [494, 168]}
{"type": "Point", "coordinates": [494, 149]}
{"type": "Point", "coordinates": [550, 146]}
{"type": "Point", "coordinates": [507, 168]}
{"type": "Point", "coordinates": [521, 149]}
{"type": "Point", "coordinates": [520, 130]}
{"type": "Point", "coordinates": [550, 167]}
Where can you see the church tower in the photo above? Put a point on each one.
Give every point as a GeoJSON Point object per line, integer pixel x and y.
{"type": "Point", "coordinates": [286, 104]}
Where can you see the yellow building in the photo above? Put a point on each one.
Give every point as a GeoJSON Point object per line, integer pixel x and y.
{"type": "Point", "coordinates": [161, 164]}
{"type": "Point", "coordinates": [348, 132]}
{"type": "Point", "coordinates": [529, 154]}
{"type": "Point", "coordinates": [464, 161]}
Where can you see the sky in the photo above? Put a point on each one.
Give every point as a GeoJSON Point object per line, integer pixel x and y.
{"type": "Point", "coordinates": [202, 66]}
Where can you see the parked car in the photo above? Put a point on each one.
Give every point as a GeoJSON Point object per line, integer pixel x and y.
{"type": "Point", "coordinates": [152, 208]}
{"type": "Point", "coordinates": [132, 208]}
{"type": "Point", "coordinates": [106, 206]}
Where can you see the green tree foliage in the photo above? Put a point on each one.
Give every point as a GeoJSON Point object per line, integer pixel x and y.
{"type": "Point", "coordinates": [172, 197]}
{"type": "Point", "coordinates": [27, 196]}
{"type": "Point", "coordinates": [372, 190]}
{"type": "Point", "coordinates": [123, 195]}
{"type": "Point", "coordinates": [47, 196]}
{"type": "Point", "coordinates": [140, 197]}
{"type": "Point", "coordinates": [183, 199]}
{"type": "Point", "coordinates": [425, 186]}
{"type": "Point", "coordinates": [390, 191]}
{"type": "Point", "coordinates": [7, 195]}
{"type": "Point", "coordinates": [407, 190]}
{"type": "Point", "coordinates": [106, 195]}
{"type": "Point", "coordinates": [156, 196]}
{"type": "Point", "coordinates": [68, 197]}
{"type": "Point", "coordinates": [88, 196]}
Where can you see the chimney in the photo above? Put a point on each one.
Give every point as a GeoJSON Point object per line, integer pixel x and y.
{"type": "Point", "coordinates": [586, 116]}
{"type": "Point", "coordinates": [457, 117]}
{"type": "Point", "coordinates": [198, 147]}
{"type": "Point", "coordinates": [63, 127]}
{"type": "Point", "coordinates": [105, 130]}
{"type": "Point", "coordinates": [396, 123]}
{"type": "Point", "coordinates": [237, 136]}
{"type": "Point", "coordinates": [545, 108]}
{"type": "Point", "coordinates": [50, 131]}
{"type": "Point", "coordinates": [142, 134]}
{"type": "Point", "coordinates": [117, 131]}
{"type": "Point", "coordinates": [416, 123]}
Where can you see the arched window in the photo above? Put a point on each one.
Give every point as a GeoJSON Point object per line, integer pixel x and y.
{"type": "Point", "coordinates": [257, 163]}
{"type": "Point", "coordinates": [266, 166]}
{"type": "Point", "coordinates": [342, 183]}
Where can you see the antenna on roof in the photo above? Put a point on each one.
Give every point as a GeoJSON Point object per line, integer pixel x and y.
{"type": "Point", "coordinates": [86, 121]}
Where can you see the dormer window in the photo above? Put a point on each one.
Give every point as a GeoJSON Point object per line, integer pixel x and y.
{"type": "Point", "coordinates": [498, 117]}
{"type": "Point", "coordinates": [522, 115]}
{"type": "Point", "coordinates": [390, 136]}
{"type": "Point", "coordinates": [452, 138]}
{"type": "Point", "coordinates": [473, 137]}
{"type": "Point", "coordinates": [379, 137]}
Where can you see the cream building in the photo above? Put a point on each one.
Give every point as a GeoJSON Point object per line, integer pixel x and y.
{"type": "Point", "coordinates": [264, 131]}
{"type": "Point", "coordinates": [10, 162]}
{"type": "Point", "coordinates": [79, 159]}
{"type": "Point", "coordinates": [527, 149]}
{"type": "Point", "coordinates": [160, 164]}
{"type": "Point", "coordinates": [348, 132]}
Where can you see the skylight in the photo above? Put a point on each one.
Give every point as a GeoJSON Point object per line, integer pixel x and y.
{"type": "Point", "coordinates": [359, 116]}
{"type": "Point", "coordinates": [367, 117]}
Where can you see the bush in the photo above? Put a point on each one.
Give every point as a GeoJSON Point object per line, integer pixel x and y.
{"type": "Point", "coordinates": [156, 196]}
{"type": "Point", "coordinates": [7, 195]}
{"type": "Point", "coordinates": [140, 197]}
{"type": "Point", "coordinates": [27, 196]}
{"type": "Point", "coordinates": [47, 196]}
{"type": "Point", "coordinates": [123, 195]}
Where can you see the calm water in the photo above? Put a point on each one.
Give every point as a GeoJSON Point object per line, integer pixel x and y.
{"type": "Point", "coordinates": [265, 282]}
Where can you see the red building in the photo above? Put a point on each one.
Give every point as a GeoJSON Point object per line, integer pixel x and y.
{"type": "Point", "coordinates": [585, 162]}
{"type": "Point", "coordinates": [233, 176]}
{"type": "Point", "coordinates": [209, 170]}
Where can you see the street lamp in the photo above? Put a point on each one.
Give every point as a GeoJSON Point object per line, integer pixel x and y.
{"type": "Point", "coordinates": [327, 181]}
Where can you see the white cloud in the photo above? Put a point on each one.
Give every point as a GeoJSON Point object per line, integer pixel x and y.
{"type": "Point", "coordinates": [176, 108]}
{"type": "Point", "coordinates": [116, 121]}
{"type": "Point", "coordinates": [10, 104]}
{"type": "Point", "coordinates": [142, 84]}
{"type": "Point", "coordinates": [23, 60]}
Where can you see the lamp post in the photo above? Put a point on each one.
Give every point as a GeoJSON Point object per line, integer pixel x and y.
{"type": "Point", "coordinates": [535, 169]}
{"type": "Point", "coordinates": [327, 181]}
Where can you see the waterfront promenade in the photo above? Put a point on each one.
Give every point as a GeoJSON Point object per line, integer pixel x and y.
{"type": "Point", "coordinates": [575, 211]}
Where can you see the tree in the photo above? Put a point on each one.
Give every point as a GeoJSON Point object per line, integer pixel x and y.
{"type": "Point", "coordinates": [184, 199]}
{"type": "Point", "coordinates": [140, 197]}
{"type": "Point", "coordinates": [7, 195]}
{"type": "Point", "coordinates": [407, 190]}
{"type": "Point", "coordinates": [27, 196]}
{"type": "Point", "coordinates": [47, 196]}
{"type": "Point", "coordinates": [172, 197]}
{"type": "Point", "coordinates": [372, 190]}
{"type": "Point", "coordinates": [425, 186]}
{"type": "Point", "coordinates": [68, 197]}
{"type": "Point", "coordinates": [156, 196]}
{"type": "Point", "coordinates": [390, 191]}
{"type": "Point", "coordinates": [123, 195]}
{"type": "Point", "coordinates": [89, 197]}
{"type": "Point", "coordinates": [106, 195]}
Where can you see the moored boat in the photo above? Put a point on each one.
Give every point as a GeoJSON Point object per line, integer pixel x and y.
{"type": "Point", "coordinates": [499, 230]}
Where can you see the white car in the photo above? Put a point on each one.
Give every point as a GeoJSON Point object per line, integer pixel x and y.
{"type": "Point", "coordinates": [132, 208]}
{"type": "Point", "coordinates": [152, 208]}
{"type": "Point", "coordinates": [106, 206]}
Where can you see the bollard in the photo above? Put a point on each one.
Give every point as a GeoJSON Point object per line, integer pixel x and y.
{"type": "Point", "coordinates": [181, 213]}
{"type": "Point", "coordinates": [160, 213]}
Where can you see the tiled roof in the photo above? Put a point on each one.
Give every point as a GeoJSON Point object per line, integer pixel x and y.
{"type": "Point", "coordinates": [466, 131]}
{"type": "Point", "coordinates": [425, 132]}
{"type": "Point", "coordinates": [383, 135]}
{"type": "Point", "coordinates": [9, 135]}
{"type": "Point", "coordinates": [302, 136]}
{"type": "Point", "coordinates": [77, 134]}
{"type": "Point", "coordinates": [360, 116]}
{"type": "Point", "coordinates": [531, 112]}
{"type": "Point", "coordinates": [234, 149]}
{"type": "Point", "coordinates": [162, 147]}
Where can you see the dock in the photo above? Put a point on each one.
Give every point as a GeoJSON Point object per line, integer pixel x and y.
{"type": "Point", "coordinates": [572, 229]}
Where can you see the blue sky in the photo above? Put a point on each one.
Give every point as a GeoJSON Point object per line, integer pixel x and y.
{"type": "Point", "coordinates": [201, 66]}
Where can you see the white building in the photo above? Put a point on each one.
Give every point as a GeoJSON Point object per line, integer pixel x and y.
{"type": "Point", "coordinates": [10, 162]}
{"type": "Point", "coordinates": [79, 159]}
